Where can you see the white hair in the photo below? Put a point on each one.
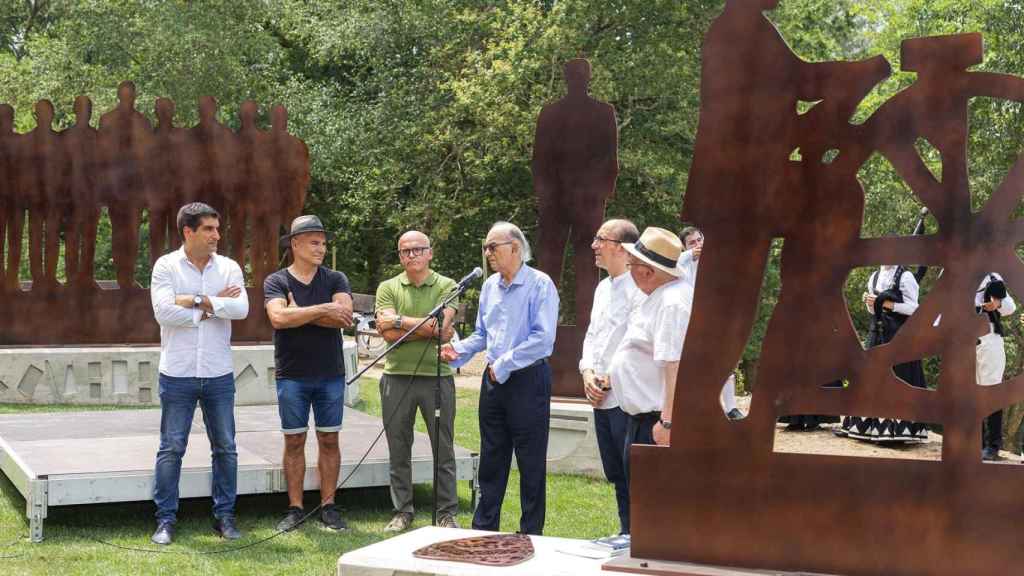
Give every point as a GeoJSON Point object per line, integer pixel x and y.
{"type": "Point", "coordinates": [514, 233]}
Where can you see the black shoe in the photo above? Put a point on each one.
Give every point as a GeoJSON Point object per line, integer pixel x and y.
{"type": "Point", "coordinates": [226, 528]}
{"type": "Point", "coordinates": [164, 534]}
{"type": "Point", "coordinates": [734, 414]}
{"type": "Point", "coordinates": [331, 518]}
{"type": "Point", "coordinates": [292, 519]}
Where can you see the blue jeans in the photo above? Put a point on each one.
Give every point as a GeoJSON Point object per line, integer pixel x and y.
{"type": "Point", "coordinates": [178, 398]}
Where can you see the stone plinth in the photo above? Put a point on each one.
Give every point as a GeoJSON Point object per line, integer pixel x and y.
{"type": "Point", "coordinates": [572, 441]}
{"type": "Point", "coordinates": [394, 556]}
{"type": "Point", "coordinates": [127, 375]}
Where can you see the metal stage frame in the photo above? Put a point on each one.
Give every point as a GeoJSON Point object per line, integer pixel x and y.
{"type": "Point", "coordinates": [70, 458]}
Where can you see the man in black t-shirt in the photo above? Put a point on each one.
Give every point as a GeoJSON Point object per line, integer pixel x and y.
{"type": "Point", "coordinates": [308, 305]}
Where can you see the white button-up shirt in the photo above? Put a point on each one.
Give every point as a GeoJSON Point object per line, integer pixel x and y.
{"type": "Point", "coordinates": [688, 267]}
{"type": "Point", "coordinates": [614, 301]}
{"type": "Point", "coordinates": [654, 338]}
{"type": "Point", "coordinates": [907, 286]}
{"type": "Point", "coordinates": [191, 347]}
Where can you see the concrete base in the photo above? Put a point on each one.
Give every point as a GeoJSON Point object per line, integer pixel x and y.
{"type": "Point", "coordinates": [394, 556]}
{"type": "Point", "coordinates": [127, 375]}
{"type": "Point", "coordinates": [572, 442]}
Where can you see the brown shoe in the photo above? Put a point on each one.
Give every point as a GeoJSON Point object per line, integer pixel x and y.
{"type": "Point", "coordinates": [400, 522]}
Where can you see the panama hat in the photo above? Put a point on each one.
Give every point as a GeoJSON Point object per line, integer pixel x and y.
{"type": "Point", "coordinates": [302, 225]}
{"type": "Point", "coordinates": [659, 248]}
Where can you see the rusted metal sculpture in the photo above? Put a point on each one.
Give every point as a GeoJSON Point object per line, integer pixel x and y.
{"type": "Point", "coordinates": [718, 494]}
{"type": "Point", "coordinates": [575, 164]}
{"type": "Point", "coordinates": [498, 550]}
{"type": "Point", "coordinates": [255, 178]}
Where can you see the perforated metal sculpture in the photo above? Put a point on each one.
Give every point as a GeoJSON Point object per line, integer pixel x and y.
{"type": "Point", "coordinates": [257, 179]}
{"type": "Point", "coordinates": [575, 164]}
{"type": "Point", "coordinates": [719, 483]}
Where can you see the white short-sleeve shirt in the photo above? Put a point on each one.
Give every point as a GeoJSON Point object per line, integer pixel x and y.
{"type": "Point", "coordinates": [653, 338]}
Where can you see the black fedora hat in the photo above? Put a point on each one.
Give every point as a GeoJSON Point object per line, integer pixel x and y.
{"type": "Point", "coordinates": [303, 225]}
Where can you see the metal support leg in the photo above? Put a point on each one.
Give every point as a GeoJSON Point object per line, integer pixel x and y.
{"type": "Point", "coordinates": [36, 504]}
{"type": "Point", "coordinates": [474, 484]}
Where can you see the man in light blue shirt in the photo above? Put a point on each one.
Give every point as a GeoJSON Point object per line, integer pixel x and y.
{"type": "Point", "coordinates": [515, 324]}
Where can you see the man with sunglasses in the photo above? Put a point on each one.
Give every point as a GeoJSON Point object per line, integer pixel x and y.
{"type": "Point", "coordinates": [515, 324]}
{"type": "Point", "coordinates": [410, 374]}
{"type": "Point", "coordinates": [308, 305]}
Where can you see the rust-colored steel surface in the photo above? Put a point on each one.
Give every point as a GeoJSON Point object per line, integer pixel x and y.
{"type": "Point", "coordinates": [575, 164]}
{"type": "Point", "coordinates": [497, 550]}
{"type": "Point", "coordinates": [718, 494]}
{"type": "Point", "coordinates": [57, 183]}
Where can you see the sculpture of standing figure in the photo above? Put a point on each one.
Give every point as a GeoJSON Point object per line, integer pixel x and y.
{"type": "Point", "coordinates": [8, 184]}
{"type": "Point", "coordinates": [126, 137]}
{"type": "Point", "coordinates": [80, 144]}
{"type": "Point", "coordinates": [43, 187]}
{"type": "Point", "coordinates": [575, 164]}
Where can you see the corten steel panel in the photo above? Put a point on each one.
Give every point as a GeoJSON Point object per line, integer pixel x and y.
{"type": "Point", "coordinates": [718, 494]}
{"type": "Point", "coordinates": [575, 164]}
{"type": "Point", "coordinates": [56, 184]}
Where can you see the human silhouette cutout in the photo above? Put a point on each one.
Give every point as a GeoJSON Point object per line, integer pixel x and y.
{"type": "Point", "coordinates": [169, 173]}
{"type": "Point", "coordinates": [126, 139]}
{"type": "Point", "coordinates": [80, 143]}
{"type": "Point", "coordinates": [291, 181]}
{"type": "Point", "coordinates": [216, 147]}
{"type": "Point", "coordinates": [575, 164]}
{"type": "Point", "coordinates": [742, 178]}
{"type": "Point", "coordinates": [44, 185]}
{"type": "Point", "coordinates": [8, 185]}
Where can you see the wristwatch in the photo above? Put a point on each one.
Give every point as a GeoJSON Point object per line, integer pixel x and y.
{"type": "Point", "coordinates": [666, 424]}
{"type": "Point", "coordinates": [197, 300]}
{"type": "Point", "coordinates": [397, 323]}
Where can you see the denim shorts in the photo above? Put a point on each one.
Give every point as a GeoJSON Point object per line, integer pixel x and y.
{"type": "Point", "coordinates": [295, 398]}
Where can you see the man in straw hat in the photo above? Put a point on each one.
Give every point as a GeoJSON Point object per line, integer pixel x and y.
{"type": "Point", "coordinates": [643, 368]}
{"type": "Point", "coordinates": [308, 304]}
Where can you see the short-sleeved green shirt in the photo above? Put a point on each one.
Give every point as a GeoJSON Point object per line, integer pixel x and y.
{"type": "Point", "coordinates": [407, 299]}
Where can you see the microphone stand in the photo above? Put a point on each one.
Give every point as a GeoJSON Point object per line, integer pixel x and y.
{"type": "Point", "coordinates": [438, 314]}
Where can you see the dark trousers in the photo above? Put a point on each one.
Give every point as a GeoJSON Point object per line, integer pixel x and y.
{"type": "Point", "coordinates": [610, 426]}
{"type": "Point", "coordinates": [639, 430]}
{"type": "Point", "coordinates": [993, 431]}
{"type": "Point", "coordinates": [514, 417]}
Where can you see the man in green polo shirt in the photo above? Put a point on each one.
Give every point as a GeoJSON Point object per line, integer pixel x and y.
{"type": "Point", "coordinates": [410, 375]}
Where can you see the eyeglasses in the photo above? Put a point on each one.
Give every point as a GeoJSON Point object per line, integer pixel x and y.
{"type": "Point", "coordinates": [413, 252]}
{"type": "Point", "coordinates": [494, 246]}
{"type": "Point", "coordinates": [603, 239]}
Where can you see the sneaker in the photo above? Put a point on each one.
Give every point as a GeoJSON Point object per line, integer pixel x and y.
{"type": "Point", "coordinates": [331, 518]}
{"type": "Point", "coordinates": [734, 414]}
{"type": "Point", "coordinates": [990, 455]}
{"type": "Point", "coordinates": [400, 522]}
{"type": "Point", "coordinates": [447, 521]}
{"type": "Point", "coordinates": [292, 519]}
{"type": "Point", "coordinates": [164, 534]}
{"type": "Point", "coordinates": [226, 528]}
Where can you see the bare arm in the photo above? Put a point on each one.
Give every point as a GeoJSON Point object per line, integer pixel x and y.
{"type": "Point", "coordinates": [670, 371]}
{"type": "Point", "coordinates": [428, 331]}
{"type": "Point", "coordinates": [339, 315]}
{"type": "Point", "coordinates": [284, 315]}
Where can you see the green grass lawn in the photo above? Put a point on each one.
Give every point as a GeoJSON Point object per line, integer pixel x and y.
{"type": "Point", "coordinates": [577, 507]}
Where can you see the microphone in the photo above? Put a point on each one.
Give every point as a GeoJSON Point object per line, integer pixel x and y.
{"type": "Point", "coordinates": [468, 278]}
